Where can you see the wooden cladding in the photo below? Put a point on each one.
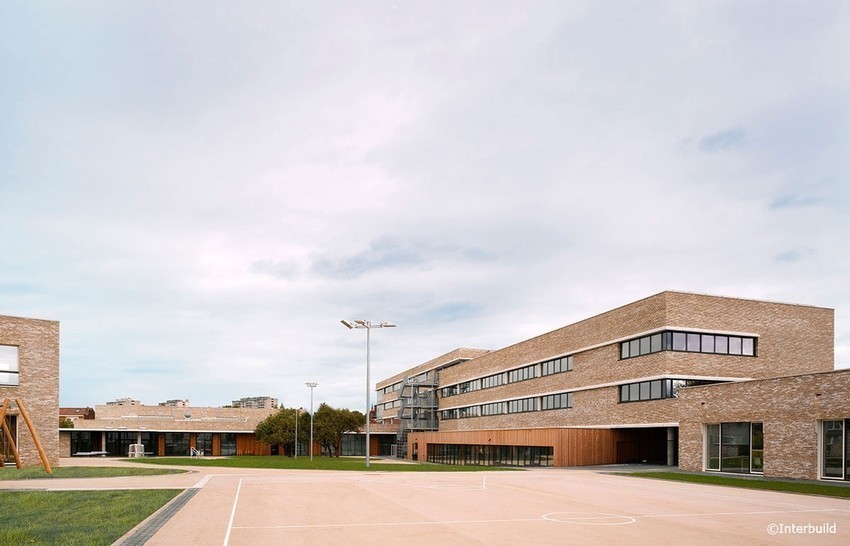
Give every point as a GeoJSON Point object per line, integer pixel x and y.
{"type": "Point", "coordinates": [571, 446]}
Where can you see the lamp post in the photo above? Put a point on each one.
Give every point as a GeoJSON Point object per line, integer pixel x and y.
{"type": "Point", "coordinates": [312, 385]}
{"type": "Point", "coordinates": [297, 415]}
{"type": "Point", "coordinates": [368, 326]}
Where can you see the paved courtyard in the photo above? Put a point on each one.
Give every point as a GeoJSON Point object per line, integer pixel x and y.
{"type": "Point", "coordinates": [540, 506]}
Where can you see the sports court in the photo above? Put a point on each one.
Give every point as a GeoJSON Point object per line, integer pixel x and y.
{"type": "Point", "coordinates": [542, 506]}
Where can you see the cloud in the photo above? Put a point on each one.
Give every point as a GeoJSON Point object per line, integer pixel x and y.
{"type": "Point", "coordinates": [216, 196]}
{"type": "Point", "coordinates": [796, 255]}
{"type": "Point", "coordinates": [722, 141]}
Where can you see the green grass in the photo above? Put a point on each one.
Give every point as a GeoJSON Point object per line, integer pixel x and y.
{"type": "Point", "coordinates": [75, 517]}
{"type": "Point", "coordinates": [318, 463]}
{"type": "Point", "coordinates": [805, 488]}
{"type": "Point", "coordinates": [37, 473]}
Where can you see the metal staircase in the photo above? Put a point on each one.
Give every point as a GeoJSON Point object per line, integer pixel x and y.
{"type": "Point", "coordinates": [418, 410]}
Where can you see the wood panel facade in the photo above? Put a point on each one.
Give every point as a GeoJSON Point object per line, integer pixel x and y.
{"type": "Point", "coordinates": [571, 446]}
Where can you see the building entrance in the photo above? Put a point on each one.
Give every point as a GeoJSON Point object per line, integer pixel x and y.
{"type": "Point", "coordinates": [652, 445]}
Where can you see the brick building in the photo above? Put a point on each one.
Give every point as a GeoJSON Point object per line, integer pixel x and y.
{"type": "Point", "coordinates": [29, 371]}
{"type": "Point", "coordinates": [167, 430]}
{"type": "Point", "coordinates": [674, 378]}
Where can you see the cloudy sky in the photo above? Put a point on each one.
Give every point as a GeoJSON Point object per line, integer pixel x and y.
{"type": "Point", "coordinates": [199, 191]}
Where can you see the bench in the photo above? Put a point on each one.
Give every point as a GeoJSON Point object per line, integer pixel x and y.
{"type": "Point", "coordinates": [90, 453]}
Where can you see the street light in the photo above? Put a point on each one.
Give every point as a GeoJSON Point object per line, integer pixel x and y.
{"type": "Point", "coordinates": [368, 326]}
{"type": "Point", "coordinates": [297, 415]}
{"type": "Point", "coordinates": [312, 385]}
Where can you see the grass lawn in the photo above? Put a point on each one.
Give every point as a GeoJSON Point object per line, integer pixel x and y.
{"type": "Point", "coordinates": [33, 473]}
{"type": "Point", "coordinates": [75, 517]}
{"type": "Point", "coordinates": [318, 463]}
{"type": "Point", "coordinates": [806, 488]}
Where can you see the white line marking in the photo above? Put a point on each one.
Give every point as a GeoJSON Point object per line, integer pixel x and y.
{"type": "Point", "coordinates": [584, 520]}
{"type": "Point", "coordinates": [202, 482]}
{"type": "Point", "coordinates": [386, 524]}
{"type": "Point", "coordinates": [232, 514]}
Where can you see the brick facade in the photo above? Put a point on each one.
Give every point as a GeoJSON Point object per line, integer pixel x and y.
{"type": "Point", "coordinates": [793, 343]}
{"type": "Point", "coordinates": [38, 361]}
{"type": "Point", "coordinates": [791, 409]}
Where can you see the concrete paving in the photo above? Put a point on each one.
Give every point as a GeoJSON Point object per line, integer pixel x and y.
{"type": "Point", "coordinates": [541, 506]}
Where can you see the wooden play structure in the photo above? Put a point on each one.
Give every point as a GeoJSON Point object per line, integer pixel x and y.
{"type": "Point", "coordinates": [11, 439]}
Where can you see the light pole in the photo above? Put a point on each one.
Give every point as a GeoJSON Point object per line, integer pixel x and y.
{"type": "Point", "coordinates": [312, 385]}
{"type": "Point", "coordinates": [296, 433]}
{"type": "Point", "coordinates": [368, 326]}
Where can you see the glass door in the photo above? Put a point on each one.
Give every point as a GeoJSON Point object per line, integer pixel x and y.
{"type": "Point", "coordinates": [6, 453]}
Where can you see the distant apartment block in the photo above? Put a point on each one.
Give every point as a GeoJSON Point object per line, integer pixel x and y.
{"type": "Point", "coordinates": [264, 402]}
{"type": "Point", "coordinates": [175, 403]}
{"type": "Point", "coordinates": [124, 402]}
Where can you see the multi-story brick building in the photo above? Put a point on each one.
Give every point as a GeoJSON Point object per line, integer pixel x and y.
{"type": "Point", "coordinates": [29, 372]}
{"type": "Point", "coordinates": [635, 384]}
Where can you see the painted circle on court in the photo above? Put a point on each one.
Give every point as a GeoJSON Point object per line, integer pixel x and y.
{"type": "Point", "coordinates": [589, 518]}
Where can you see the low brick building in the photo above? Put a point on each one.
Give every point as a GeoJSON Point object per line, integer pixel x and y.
{"type": "Point", "coordinates": [29, 372]}
{"type": "Point", "coordinates": [633, 374]}
{"type": "Point", "coordinates": [167, 430]}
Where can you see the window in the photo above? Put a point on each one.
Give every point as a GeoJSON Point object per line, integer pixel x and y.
{"type": "Point", "coordinates": [557, 365]}
{"type": "Point", "coordinates": [657, 389]}
{"type": "Point", "coordinates": [228, 443]}
{"type": "Point", "coordinates": [490, 455]}
{"type": "Point", "coordinates": [688, 342]}
{"type": "Point", "coordinates": [449, 391]}
{"type": "Point", "coordinates": [177, 443]}
{"type": "Point", "coordinates": [834, 447]}
{"type": "Point", "coordinates": [203, 443]}
{"type": "Point", "coordinates": [523, 405]}
{"type": "Point", "coordinates": [495, 408]}
{"type": "Point", "coordinates": [735, 447]}
{"type": "Point", "coordinates": [448, 414]}
{"type": "Point", "coordinates": [492, 381]}
{"type": "Point", "coordinates": [9, 371]}
{"type": "Point", "coordinates": [556, 401]}
{"type": "Point", "coordinates": [521, 374]}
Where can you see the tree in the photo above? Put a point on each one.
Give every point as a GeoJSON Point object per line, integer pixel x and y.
{"type": "Point", "coordinates": [64, 422]}
{"type": "Point", "coordinates": [279, 428]}
{"type": "Point", "coordinates": [330, 424]}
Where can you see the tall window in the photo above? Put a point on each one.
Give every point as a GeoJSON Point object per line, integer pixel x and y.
{"type": "Point", "coordinates": [834, 448]}
{"type": "Point", "coordinates": [203, 443]}
{"type": "Point", "coordinates": [734, 447]}
{"type": "Point", "coordinates": [9, 371]}
{"type": "Point", "coordinates": [228, 443]}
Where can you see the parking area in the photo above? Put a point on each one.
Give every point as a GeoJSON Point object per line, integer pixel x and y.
{"type": "Point", "coordinates": [543, 506]}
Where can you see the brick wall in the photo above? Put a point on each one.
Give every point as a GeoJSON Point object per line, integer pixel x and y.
{"type": "Point", "coordinates": [789, 407]}
{"type": "Point", "coordinates": [792, 339]}
{"type": "Point", "coordinates": [38, 353]}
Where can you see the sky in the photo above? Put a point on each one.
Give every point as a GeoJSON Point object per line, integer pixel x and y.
{"type": "Point", "coordinates": [200, 191]}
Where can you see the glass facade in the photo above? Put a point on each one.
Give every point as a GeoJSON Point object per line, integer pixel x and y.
{"type": "Point", "coordinates": [177, 443]}
{"type": "Point", "coordinates": [735, 447]}
{"type": "Point", "coordinates": [487, 455]}
{"type": "Point", "coordinates": [118, 443]}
